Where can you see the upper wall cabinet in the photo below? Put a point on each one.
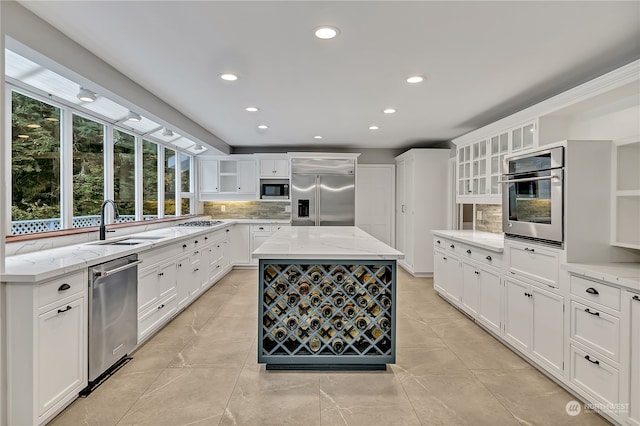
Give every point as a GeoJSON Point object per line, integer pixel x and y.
{"type": "Point", "coordinates": [479, 163]}
{"type": "Point", "coordinates": [625, 226]}
{"type": "Point", "coordinates": [227, 179]}
{"type": "Point", "coordinates": [274, 168]}
{"type": "Point", "coordinates": [208, 176]}
{"type": "Point", "coordinates": [238, 176]}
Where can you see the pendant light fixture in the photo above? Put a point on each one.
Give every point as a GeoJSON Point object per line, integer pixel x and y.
{"type": "Point", "coordinates": [133, 116]}
{"type": "Point", "coordinates": [86, 95]}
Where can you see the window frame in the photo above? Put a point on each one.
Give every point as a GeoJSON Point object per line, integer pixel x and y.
{"type": "Point", "coordinates": [67, 111]}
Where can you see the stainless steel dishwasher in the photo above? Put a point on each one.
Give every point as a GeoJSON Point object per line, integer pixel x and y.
{"type": "Point", "coordinates": [113, 320]}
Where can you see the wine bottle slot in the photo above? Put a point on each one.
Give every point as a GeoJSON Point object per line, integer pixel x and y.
{"type": "Point", "coordinates": [338, 324]}
{"type": "Point", "coordinates": [361, 323]}
{"type": "Point", "coordinates": [280, 334]}
{"type": "Point", "coordinates": [292, 322]}
{"type": "Point", "coordinates": [315, 277]}
{"type": "Point", "coordinates": [327, 289]}
{"type": "Point", "coordinates": [373, 289]}
{"type": "Point", "coordinates": [338, 277]}
{"type": "Point", "coordinates": [337, 345]}
{"type": "Point", "coordinates": [384, 323]}
{"type": "Point", "coordinates": [386, 302]}
{"type": "Point", "coordinates": [292, 298]}
{"type": "Point", "coordinates": [349, 310]}
{"type": "Point", "coordinates": [315, 322]}
{"type": "Point", "coordinates": [280, 286]}
{"type": "Point", "coordinates": [315, 299]}
{"type": "Point", "coordinates": [350, 289]}
{"type": "Point", "coordinates": [338, 300]}
{"type": "Point", "coordinates": [362, 301]}
{"type": "Point", "coordinates": [315, 344]}
{"type": "Point", "coordinates": [327, 311]}
{"type": "Point", "coordinates": [304, 287]}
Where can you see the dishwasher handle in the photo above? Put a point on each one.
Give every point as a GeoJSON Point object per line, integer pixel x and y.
{"type": "Point", "coordinates": [116, 270]}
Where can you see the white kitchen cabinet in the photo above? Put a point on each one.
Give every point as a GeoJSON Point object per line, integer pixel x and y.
{"type": "Point", "coordinates": [534, 262]}
{"type": "Point", "coordinates": [238, 176]}
{"type": "Point", "coordinates": [259, 234]}
{"type": "Point", "coordinates": [46, 342]}
{"type": "Point", "coordinates": [274, 168]}
{"type": "Point", "coordinates": [533, 323]}
{"type": "Point", "coordinates": [182, 281]}
{"type": "Point", "coordinates": [625, 201]}
{"type": "Point", "coordinates": [208, 176]}
{"type": "Point", "coordinates": [479, 162]}
{"type": "Point", "coordinates": [634, 358]}
{"type": "Point", "coordinates": [491, 296]}
{"type": "Point", "coordinates": [420, 206]}
{"type": "Point", "coordinates": [470, 288]}
{"type": "Point", "coordinates": [241, 244]}
{"type": "Point", "coordinates": [448, 276]}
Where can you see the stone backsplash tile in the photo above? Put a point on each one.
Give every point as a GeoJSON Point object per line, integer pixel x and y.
{"type": "Point", "coordinates": [491, 218]}
{"type": "Point", "coordinates": [247, 209]}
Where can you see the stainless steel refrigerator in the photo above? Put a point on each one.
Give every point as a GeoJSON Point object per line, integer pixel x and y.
{"type": "Point", "coordinates": [323, 192]}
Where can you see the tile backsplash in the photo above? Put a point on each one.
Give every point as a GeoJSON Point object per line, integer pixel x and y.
{"type": "Point", "coordinates": [247, 209]}
{"type": "Point", "coordinates": [491, 218]}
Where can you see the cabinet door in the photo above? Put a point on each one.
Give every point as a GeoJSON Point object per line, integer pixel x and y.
{"type": "Point", "coordinates": [281, 168]}
{"type": "Point", "coordinates": [400, 206]}
{"type": "Point", "coordinates": [453, 277]}
{"type": "Point", "coordinates": [208, 176]}
{"type": "Point", "coordinates": [547, 340]}
{"type": "Point", "coordinates": [439, 272]}
{"type": "Point", "coordinates": [490, 306]}
{"type": "Point", "coordinates": [470, 289]}
{"type": "Point", "coordinates": [257, 239]}
{"type": "Point", "coordinates": [240, 244]}
{"type": "Point", "coordinates": [147, 288]}
{"type": "Point", "coordinates": [518, 314]}
{"type": "Point", "coordinates": [267, 168]}
{"type": "Point", "coordinates": [247, 177]}
{"type": "Point", "coordinates": [182, 280]}
{"type": "Point", "coordinates": [634, 388]}
{"type": "Point", "coordinates": [409, 202]}
{"type": "Point", "coordinates": [60, 350]}
{"type": "Point", "coordinates": [166, 279]}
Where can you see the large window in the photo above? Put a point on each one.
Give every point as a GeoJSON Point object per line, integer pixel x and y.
{"type": "Point", "coordinates": [88, 171]}
{"type": "Point", "coordinates": [149, 179]}
{"type": "Point", "coordinates": [124, 175]}
{"type": "Point", "coordinates": [169, 182]}
{"type": "Point", "coordinates": [40, 147]}
{"type": "Point", "coordinates": [35, 165]}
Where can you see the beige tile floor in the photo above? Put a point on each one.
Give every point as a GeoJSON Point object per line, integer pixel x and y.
{"type": "Point", "coordinates": [201, 369]}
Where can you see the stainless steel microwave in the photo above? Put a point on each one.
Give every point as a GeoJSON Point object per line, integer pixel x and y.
{"type": "Point", "coordinates": [532, 196]}
{"type": "Point", "coordinates": [274, 190]}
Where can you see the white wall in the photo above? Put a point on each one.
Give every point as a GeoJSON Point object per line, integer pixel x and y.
{"type": "Point", "coordinates": [375, 200]}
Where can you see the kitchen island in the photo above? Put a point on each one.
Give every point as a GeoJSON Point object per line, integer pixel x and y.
{"type": "Point", "coordinates": [327, 299]}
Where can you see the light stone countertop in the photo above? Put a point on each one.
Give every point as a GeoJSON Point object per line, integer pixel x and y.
{"type": "Point", "coordinates": [622, 274]}
{"type": "Point", "coordinates": [47, 264]}
{"type": "Point", "coordinates": [485, 240]}
{"type": "Point", "coordinates": [325, 242]}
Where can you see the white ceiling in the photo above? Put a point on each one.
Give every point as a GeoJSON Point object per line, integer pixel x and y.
{"type": "Point", "coordinates": [483, 61]}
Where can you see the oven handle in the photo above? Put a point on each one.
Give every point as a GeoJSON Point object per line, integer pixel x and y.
{"type": "Point", "coordinates": [115, 270]}
{"type": "Point", "coordinates": [529, 179]}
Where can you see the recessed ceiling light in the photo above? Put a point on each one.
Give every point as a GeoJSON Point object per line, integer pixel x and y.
{"type": "Point", "coordinates": [317, 137]}
{"type": "Point", "coordinates": [415, 79]}
{"type": "Point", "coordinates": [33, 126]}
{"type": "Point", "coordinates": [133, 116]}
{"type": "Point", "coordinates": [263, 127]}
{"type": "Point", "coordinates": [229, 77]}
{"type": "Point", "coordinates": [23, 136]}
{"type": "Point", "coordinates": [251, 109]}
{"type": "Point", "coordinates": [374, 128]}
{"type": "Point", "coordinates": [326, 32]}
{"type": "Point", "coordinates": [86, 95]}
{"type": "Point", "coordinates": [389, 110]}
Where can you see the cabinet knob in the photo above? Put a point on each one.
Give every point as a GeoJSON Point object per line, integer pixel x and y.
{"type": "Point", "coordinates": [64, 287]}
{"type": "Point", "coordinates": [468, 251]}
{"type": "Point", "coordinates": [68, 308]}
{"type": "Point", "coordinates": [184, 246]}
{"type": "Point", "coordinates": [636, 298]}
{"type": "Point", "coordinates": [438, 241]}
{"type": "Point", "coordinates": [452, 246]}
{"type": "Point", "coordinates": [196, 241]}
{"type": "Point", "coordinates": [477, 273]}
{"type": "Point", "coordinates": [196, 252]}
{"type": "Point", "coordinates": [529, 249]}
{"type": "Point", "coordinates": [489, 258]}
{"type": "Point", "coordinates": [206, 238]}
{"type": "Point", "coordinates": [161, 306]}
{"type": "Point", "coordinates": [227, 230]}
{"type": "Point", "coordinates": [592, 290]}
{"type": "Point", "coordinates": [592, 312]}
{"type": "Point", "coordinates": [161, 274]}
{"type": "Point", "coordinates": [196, 270]}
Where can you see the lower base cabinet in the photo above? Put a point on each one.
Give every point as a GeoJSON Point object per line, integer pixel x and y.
{"type": "Point", "coordinates": [448, 275]}
{"type": "Point", "coordinates": [634, 386]}
{"type": "Point", "coordinates": [534, 321]}
{"type": "Point", "coordinates": [490, 301]}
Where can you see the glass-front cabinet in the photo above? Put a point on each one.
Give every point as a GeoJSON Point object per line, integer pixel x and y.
{"type": "Point", "coordinates": [479, 163]}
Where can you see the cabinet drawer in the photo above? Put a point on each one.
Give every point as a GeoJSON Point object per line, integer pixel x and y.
{"type": "Point", "coordinates": [534, 262]}
{"type": "Point", "coordinates": [156, 316]}
{"type": "Point", "coordinates": [596, 329]}
{"type": "Point", "coordinates": [484, 257]}
{"type": "Point", "coordinates": [276, 227]}
{"type": "Point", "coordinates": [61, 288]}
{"type": "Point", "coordinates": [260, 227]}
{"type": "Point", "coordinates": [595, 376]}
{"type": "Point", "coordinates": [191, 244]}
{"type": "Point", "coordinates": [596, 292]}
{"type": "Point", "coordinates": [156, 255]}
{"type": "Point", "coordinates": [439, 242]}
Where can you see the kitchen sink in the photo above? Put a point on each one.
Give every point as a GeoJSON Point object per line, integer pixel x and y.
{"type": "Point", "coordinates": [127, 241]}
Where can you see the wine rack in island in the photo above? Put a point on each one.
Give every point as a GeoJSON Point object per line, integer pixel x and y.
{"type": "Point", "coordinates": [338, 314]}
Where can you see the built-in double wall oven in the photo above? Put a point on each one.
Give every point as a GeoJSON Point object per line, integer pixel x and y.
{"type": "Point", "coordinates": [532, 196]}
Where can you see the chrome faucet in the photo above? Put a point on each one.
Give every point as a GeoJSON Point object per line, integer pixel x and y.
{"type": "Point", "coordinates": [103, 228]}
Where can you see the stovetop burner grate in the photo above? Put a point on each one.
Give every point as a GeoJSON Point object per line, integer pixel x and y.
{"type": "Point", "coordinates": [202, 223]}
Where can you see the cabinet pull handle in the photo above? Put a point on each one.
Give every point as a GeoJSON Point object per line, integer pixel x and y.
{"type": "Point", "coordinates": [196, 252]}
{"type": "Point", "coordinates": [161, 274]}
{"type": "Point", "coordinates": [489, 258]}
{"type": "Point", "coordinates": [438, 241]}
{"type": "Point", "coordinates": [592, 290]}
{"type": "Point", "coordinates": [468, 251]}
{"type": "Point", "coordinates": [596, 362]}
{"type": "Point", "coordinates": [636, 298]}
{"type": "Point", "coordinates": [161, 306]}
{"type": "Point", "coordinates": [206, 238]}
{"type": "Point", "coordinates": [452, 246]}
{"type": "Point", "coordinates": [68, 308]}
{"type": "Point", "coordinates": [227, 230]}
{"type": "Point", "coordinates": [184, 246]}
{"type": "Point", "coordinates": [196, 241]}
{"type": "Point", "coordinates": [592, 313]}
{"type": "Point", "coordinates": [179, 265]}
{"type": "Point", "coordinates": [529, 249]}
{"type": "Point", "coordinates": [196, 270]}
{"type": "Point", "coordinates": [444, 258]}
{"type": "Point", "coordinates": [64, 287]}
{"type": "Point", "coordinates": [476, 272]}
{"type": "Point", "coordinates": [261, 228]}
